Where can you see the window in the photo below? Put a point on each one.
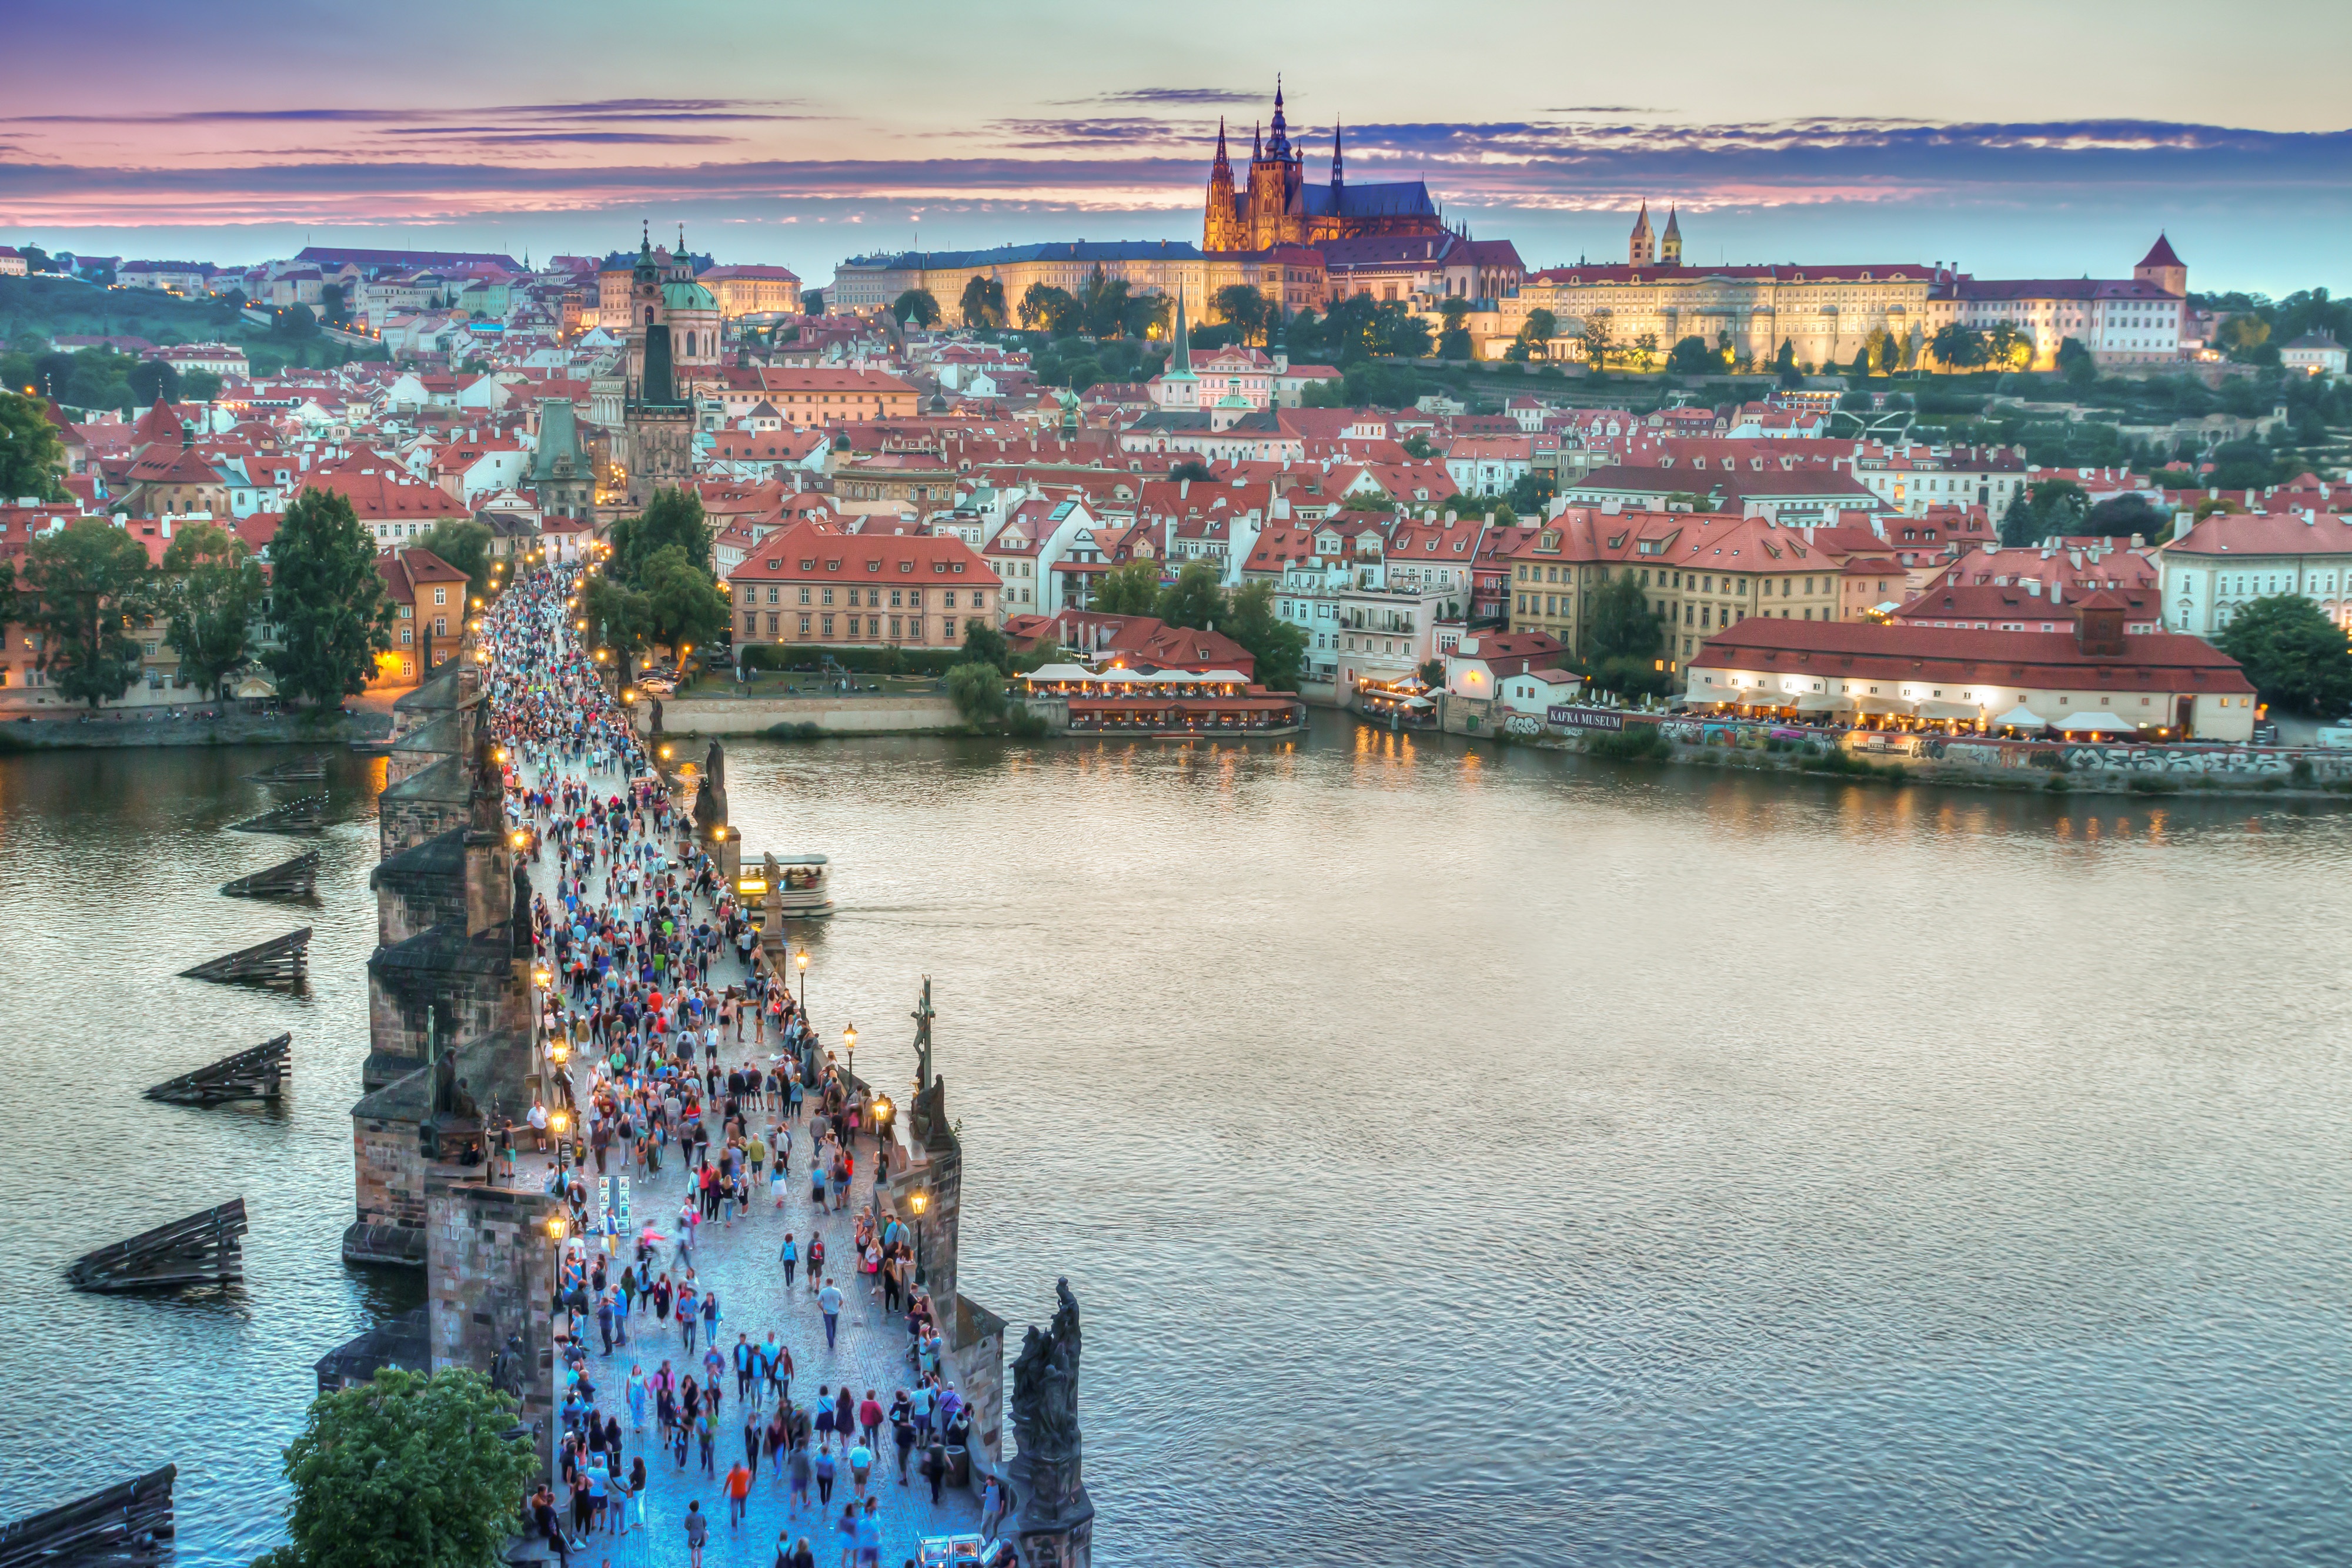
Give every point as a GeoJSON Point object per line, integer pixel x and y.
{"type": "Point", "coordinates": [828, 598]}
{"type": "Point", "coordinates": [828, 626]}
{"type": "Point", "coordinates": [804, 625]}
{"type": "Point", "coordinates": [440, 625]}
{"type": "Point", "coordinates": [408, 636]}
{"type": "Point", "coordinates": [408, 666]}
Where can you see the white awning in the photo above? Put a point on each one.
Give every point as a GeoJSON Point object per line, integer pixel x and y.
{"type": "Point", "coordinates": [2095, 723]}
{"type": "Point", "coordinates": [2020, 717]}
{"type": "Point", "coordinates": [1880, 704]}
{"type": "Point", "coordinates": [1933, 708]}
{"type": "Point", "coordinates": [1765, 697]}
{"type": "Point", "coordinates": [1062, 673]}
{"type": "Point", "coordinates": [1817, 701]}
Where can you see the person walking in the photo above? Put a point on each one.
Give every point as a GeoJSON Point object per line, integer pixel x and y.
{"type": "Point", "coordinates": [861, 1466]}
{"type": "Point", "coordinates": [829, 1301]}
{"type": "Point", "coordinates": [698, 1530]}
{"type": "Point", "coordinates": [738, 1492]}
{"type": "Point", "coordinates": [824, 1465]}
{"type": "Point", "coordinates": [800, 1467]}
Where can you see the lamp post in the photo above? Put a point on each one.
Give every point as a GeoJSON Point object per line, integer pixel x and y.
{"type": "Point", "coordinates": [799, 959]}
{"type": "Point", "coordinates": [849, 1044]}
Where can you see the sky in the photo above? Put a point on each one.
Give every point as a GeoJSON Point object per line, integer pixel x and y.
{"type": "Point", "coordinates": [2049, 138]}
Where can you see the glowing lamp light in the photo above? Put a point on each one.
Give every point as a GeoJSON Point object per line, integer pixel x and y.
{"type": "Point", "coordinates": [801, 958]}
{"type": "Point", "coordinates": [519, 838]}
{"type": "Point", "coordinates": [849, 1038]}
{"type": "Point", "coordinates": [559, 1121]}
{"type": "Point", "coordinates": [883, 1110]}
{"type": "Point", "coordinates": [556, 1225]}
{"type": "Point", "coordinates": [919, 1200]}
{"type": "Point", "coordinates": [665, 751]}
{"type": "Point", "coordinates": [559, 1051]}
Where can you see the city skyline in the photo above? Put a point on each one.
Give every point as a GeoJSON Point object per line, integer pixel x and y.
{"type": "Point", "coordinates": [1930, 139]}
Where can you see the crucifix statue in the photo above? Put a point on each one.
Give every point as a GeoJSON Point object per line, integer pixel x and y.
{"type": "Point", "coordinates": [922, 1016]}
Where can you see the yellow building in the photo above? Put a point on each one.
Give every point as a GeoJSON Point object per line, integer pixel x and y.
{"type": "Point", "coordinates": [1827, 314]}
{"type": "Point", "coordinates": [1291, 276]}
{"type": "Point", "coordinates": [753, 290]}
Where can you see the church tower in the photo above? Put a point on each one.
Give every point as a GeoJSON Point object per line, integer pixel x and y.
{"type": "Point", "coordinates": [1669, 243]}
{"type": "Point", "coordinates": [1643, 249]}
{"type": "Point", "coordinates": [2163, 269]}
{"type": "Point", "coordinates": [1221, 224]}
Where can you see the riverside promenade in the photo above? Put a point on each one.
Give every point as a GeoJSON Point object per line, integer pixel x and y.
{"type": "Point", "coordinates": [739, 1259]}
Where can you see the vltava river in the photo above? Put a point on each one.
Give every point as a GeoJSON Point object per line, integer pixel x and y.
{"type": "Point", "coordinates": [1461, 1156]}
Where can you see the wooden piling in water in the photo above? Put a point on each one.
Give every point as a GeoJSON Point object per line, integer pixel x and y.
{"type": "Point", "coordinates": [280, 961]}
{"type": "Point", "coordinates": [257, 1073]}
{"type": "Point", "coordinates": [204, 1248]}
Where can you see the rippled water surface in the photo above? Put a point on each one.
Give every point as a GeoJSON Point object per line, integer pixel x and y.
{"type": "Point", "coordinates": [1461, 1156]}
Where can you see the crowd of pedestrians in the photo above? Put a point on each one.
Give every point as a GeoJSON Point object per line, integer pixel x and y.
{"type": "Point", "coordinates": [690, 1073]}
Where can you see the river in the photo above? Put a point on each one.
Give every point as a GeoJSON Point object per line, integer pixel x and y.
{"type": "Point", "coordinates": [1460, 1155]}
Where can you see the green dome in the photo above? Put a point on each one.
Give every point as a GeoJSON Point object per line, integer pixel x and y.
{"type": "Point", "coordinates": [688, 296]}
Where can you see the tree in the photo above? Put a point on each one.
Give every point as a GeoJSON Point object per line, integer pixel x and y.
{"type": "Point", "coordinates": [1279, 646]}
{"type": "Point", "coordinates": [2076, 363]}
{"type": "Point", "coordinates": [1622, 624]}
{"type": "Point", "coordinates": [1241, 306]}
{"type": "Point", "coordinates": [31, 455]}
{"type": "Point", "coordinates": [2295, 656]}
{"type": "Point", "coordinates": [674, 517]}
{"type": "Point", "coordinates": [200, 386]}
{"type": "Point", "coordinates": [1454, 341]}
{"type": "Point", "coordinates": [1195, 599]}
{"type": "Point", "coordinates": [1047, 309]}
{"type": "Point", "coordinates": [2240, 336]}
{"type": "Point", "coordinates": [984, 644]}
{"type": "Point", "coordinates": [405, 1469]}
{"type": "Point", "coordinates": [1691, 357]}
{"type": "Point", "coordinates": [333, 616]}
{"type": "Point", "coordinates": [2017, 527]}
{"type": "Point", "coordinates": [213, 590]}
{"type": "Point", "coordinates": [332, 308]}
{"type": "Point", "coordinates": [466, 545]}
{"type": "Point", "coordinates": [1645, 352]}
{"type": "Point", "coordinates": [1400, 333]}
{"type": "Point", "coordinates": [1536, 332]}
{"type": "Point", "coordinates": [1784, 363]}
{"type": "Point", "coordinates": [1531, 493]}
{"type": "Point", "coordinates": [1129, 589]}
{"type": "Point", "coordinates": [2132, 514]}
{"type": "Point", "coordinates": [1957, 347]}
{"type": "Point", "coordinates": [1433, 674]}
{"type": "Point", "coordinates": [2059, 506]}
{"type": "Point", "coordinates": [1417, 448]}
{"type": "Point", "coordinates": [983, 302]}
{"type": "Point", "coordinates": [1102, 305]}
{"type": "Point", "coordinates": [152, 379]}
{"type": "Point", "coordinates": [977, 689]}
{"type": "Point", "coordinates": [82, 590]}
{"type": "Point", "coordinates": [917, 308]}
{"type": "Point", "coordinates": [683, 608]}
{"type": "Point", "coordinates": [295, 323]}
{"type": "Point", "coordinates": [1600, 347]}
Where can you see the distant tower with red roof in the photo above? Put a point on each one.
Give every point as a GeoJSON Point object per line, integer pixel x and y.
{"type": "Point", "coordinates": [2163, 269]}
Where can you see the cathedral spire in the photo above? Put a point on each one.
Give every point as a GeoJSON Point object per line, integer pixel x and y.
{"type": "Point", "coordinates": [1221, 163]}
{"type": "Point", "coordinates": [1338, 178]}
{"type": "Point", "coordinates": [1257, 146]}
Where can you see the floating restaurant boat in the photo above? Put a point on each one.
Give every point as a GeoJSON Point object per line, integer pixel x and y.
{"type": "Point", "coordinates": [1167, 704]}
{"type": "Point", "coordinates": [780, 888]}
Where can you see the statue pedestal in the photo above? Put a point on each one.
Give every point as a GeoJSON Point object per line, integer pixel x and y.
{"type": "Point", "coordinates": [1055, 1525]}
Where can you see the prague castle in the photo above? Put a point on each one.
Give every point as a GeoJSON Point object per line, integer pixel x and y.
{"type": "Point", "coordinates": [1278, 208]}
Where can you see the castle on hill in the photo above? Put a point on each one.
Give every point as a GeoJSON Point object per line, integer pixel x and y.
{"type": "Point", "coordinates": [1277, 206]}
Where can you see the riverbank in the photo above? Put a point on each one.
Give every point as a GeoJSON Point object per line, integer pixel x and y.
{"type": "Point", "coordinates": [1918, 756]}
{"type": "Point", "coordinates": [125, 730]}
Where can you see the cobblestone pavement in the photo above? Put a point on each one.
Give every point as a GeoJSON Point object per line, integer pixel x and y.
{"type": "Point", "coordinates": [738, 1258]}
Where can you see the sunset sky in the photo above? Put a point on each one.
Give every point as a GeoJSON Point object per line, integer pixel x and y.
{"type": "Point", "coordinates": [2020, 139]}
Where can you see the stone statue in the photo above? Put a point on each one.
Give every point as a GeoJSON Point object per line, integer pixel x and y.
{"type": "Point", "coordinates": [710, 804]}
{"type": "Point", "coordinates": [509, 1368]}
{"type": "Point", "coordinates": [1046, 1386]}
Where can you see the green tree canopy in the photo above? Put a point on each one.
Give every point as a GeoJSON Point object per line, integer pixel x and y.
{"type": "Point", "coordinates": [465, 544]}
{"type": "Point", "coordinates": [1622, 626]}
{"type": "Point", "coordinates": [1129, 589]}
{"type": "Point", "coordinates": [977, 689]}
{"type": "Point", "coordinates": [152, 379]}
{"type": "Point", "coordinates": [1102, 305]}
{"type": "Point", "coordinates": [1047, 309]}
{"type": "Point", "coordinates": [1958, 347]}
{"type": "Point", "coordinates": [1536, 332]}
{"type": "Point", "coordinates": [2077, 364]}
{"type": "Point", "coordinates": [916, 308]}
{"type": "Point", "coordinates": [982, 304]}
{"type": "Point", "coordinates": [984, 644]}
{"type": "Point", "coordinates": [673, 517]}
{"type": "Point", "coordinates": [1195, 598]}
{"type": "Point", "coordinates": [1241, 306]}
{"type": "Point", "coordinates": [405, 1471]}
{"type": "Point", "coordinates": [1279, 646]}
{"type": "Point", "coordinates": [213, 592]}
{"type": "Point", "coordinates": [83, 589]}
{"type": "Point", "coordinates": [683, 607]}
{"type": "Point", "coordinates": [32, 457]}
{"type": "Point", "coordinates": [2296, 657]}
{"type": "Point", "coordinates": [334, 615]}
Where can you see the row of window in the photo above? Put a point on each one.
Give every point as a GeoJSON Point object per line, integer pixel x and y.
{"type": "Point", "coordinates": [908, 627]}
{"type": "Point", "coordinates": [900, 598]}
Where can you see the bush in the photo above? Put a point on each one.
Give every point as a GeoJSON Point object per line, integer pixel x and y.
{"type": "Point", "coordinates": [878, 661]}
{"type": "Point", "coordinates": [1635, 743]}
{"type": "Point", "coordinates": [2154, 784]}
{"type": "Point", "coordinates": [2301, 770]}
{"type": "Point", "coordinates": [803, 731]}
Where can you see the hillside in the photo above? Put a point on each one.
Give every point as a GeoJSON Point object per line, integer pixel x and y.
{"type": "Point", "coordinates": [47, 307]}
